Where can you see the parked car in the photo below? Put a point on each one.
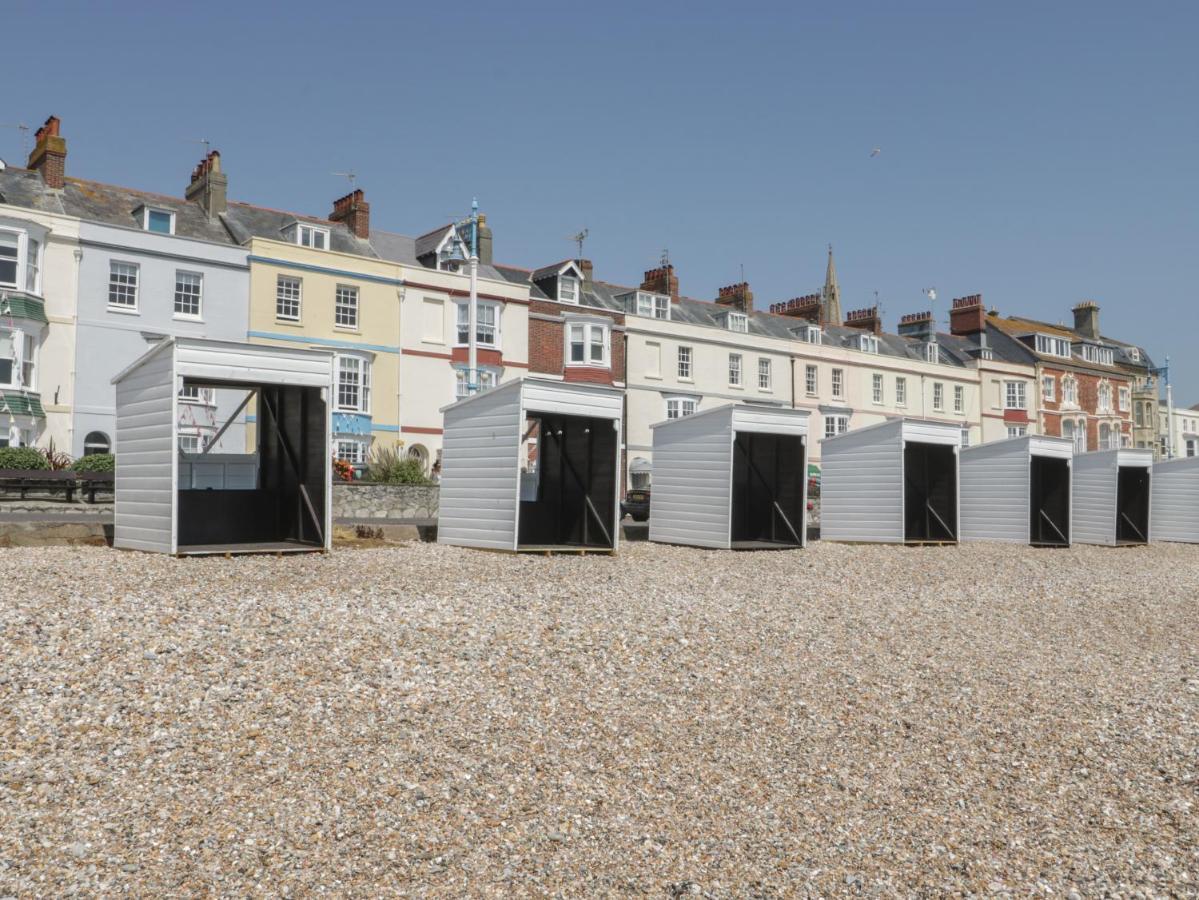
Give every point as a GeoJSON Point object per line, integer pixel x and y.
{"type": "Point", "coordinates": [635, 504]}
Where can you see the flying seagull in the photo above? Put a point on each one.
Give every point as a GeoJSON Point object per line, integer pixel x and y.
{"type": "Point", "coordinates": [875, 152]}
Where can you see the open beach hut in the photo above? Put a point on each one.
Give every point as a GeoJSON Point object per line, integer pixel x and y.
{"type": "Point", "coordinates": [1175, 500]}
{"type": "Point", "coordinates": [1111, 496]}
{"type": "Point", "coordinates": [532, 465]}
{"type": "Point", "coordinates": [273, 498]}
{"type": "Point", "coordinates": [894, 482]}
{"type": "Point", "coordinates": [733, 477]}
{"type": "Point", "coordinates": [1017, 490]}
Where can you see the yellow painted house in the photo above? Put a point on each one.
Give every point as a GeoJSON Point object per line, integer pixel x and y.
{"type": "Point", "coordinates": [391, 308]}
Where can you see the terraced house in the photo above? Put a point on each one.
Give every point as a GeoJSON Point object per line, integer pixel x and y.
{"type": "Point", "coordinates": [1084, 384]}
{"type": "Point", "coordinates": [392, 308]}
{"type": "Point", "coordinates": [120, 270]}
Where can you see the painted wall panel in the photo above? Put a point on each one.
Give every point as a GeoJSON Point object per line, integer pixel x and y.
{"type": "Point", "coordinates": [1175, 500]}
{"type": "Point", "coordinates": [145, 486]}
{"type": "Point", "coordinates": [995, 491]}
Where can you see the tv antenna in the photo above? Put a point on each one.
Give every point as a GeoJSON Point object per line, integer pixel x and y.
{"type": "Point", "coordinates": [578, 238]}
{"type": "Point", "coordinates": [207, 144]}
{"type": "Point", "coordinates": [665, 259]}
{"type": "Point", "coordinates": [24, 129]}
{"type": "Point", "coordinates": [349, 176]}
{"type": "Point", "coordinates": [931, 293]}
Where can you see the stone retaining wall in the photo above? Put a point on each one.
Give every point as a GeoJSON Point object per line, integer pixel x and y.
{"type": "Point", "coordinates": [384, 501]}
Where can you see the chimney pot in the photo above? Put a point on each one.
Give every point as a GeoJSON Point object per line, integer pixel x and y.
{"type": "Point", "coordinates": [354, 211]}
{"type": "Point", "coordinates": [209, 185]}
{"type": "Point", "coordinates": [662, 280]}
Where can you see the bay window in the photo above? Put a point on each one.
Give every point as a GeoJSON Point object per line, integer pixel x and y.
{"type": "Point", "coordinates": [835, 425]}
{"type": "Point", "coordinates": [678, 407]}
{"type": "Point", "coordinates": [486, 377]}
{"type": "Point", "coordinates": [20, 261]}
{"type": "Point", "coordinates": [587, 343]}
{"type": "Point", "coordinates": [18, 358]}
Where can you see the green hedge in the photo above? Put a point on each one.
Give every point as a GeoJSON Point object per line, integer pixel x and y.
{"type": "Point", "coordinates": [97, 462]}
{"type": "Point", "coordinates": [389, 466]}
{"type": "Point", "coordinates": [22, 458]}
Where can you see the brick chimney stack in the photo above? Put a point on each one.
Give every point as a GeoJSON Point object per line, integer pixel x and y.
{"type": "Point", "coordinates": [738, 296]}
{"type": "Point", "coordinates": [355, 212]}
{"type": "Point", "coordinates": [918, 325]}
{"type": "Point", "coordinates": [588, 270]}
{"type": "Point", "coordinates": [483, 239]}
{"type": "Point", "coordinates": [662, 280]}
{"type": "Point", "coordinates": [209, 185]}
{"type": "Point", "coordinates": [867, 319]}
{"type": "Point", "coordinates": [967, 315]}
{"type": "Point", "coordinates": [807, 308]}
{"type": "Point", "coordinates": [49, 154]}
{"type": "Point", "coordinates": [1086, 319]}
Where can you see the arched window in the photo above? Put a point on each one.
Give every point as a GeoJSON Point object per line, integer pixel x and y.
{"type": "Point", "coordinates": [96, 442]}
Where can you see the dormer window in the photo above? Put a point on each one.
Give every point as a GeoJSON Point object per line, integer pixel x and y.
{"type": "Point", "coordinates": [1134, 353]}
{"type": "Point", "coordinates": [653, 306]}
{"type": "Point", "coordinates": [568, 289]}
{"type": "Point", "coordinates": [868, 343]}
{"type": "Point", "coordinates": [312, 236]}
{"type": "Point", "coordinates": [932, 353]}
{"type": "Point", "coordinates": [1053, 346]}
{"type": "Point", "coordinates": [738, 322]}
{"type": "Point", "coordinates": [809, 334]}
{"type": "Point", "coordinates": [1103, 356]}
{"type": "Point", "coordinates": [160, 221]}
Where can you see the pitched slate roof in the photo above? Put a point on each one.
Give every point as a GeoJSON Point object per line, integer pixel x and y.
{"type": "Point", "coordinates": [1018, 326]}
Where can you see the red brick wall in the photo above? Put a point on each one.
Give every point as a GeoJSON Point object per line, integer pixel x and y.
{"type": "Point", "coordinates": [547, 342]}
{"type": "Point", "coordinates": [1088, 402]}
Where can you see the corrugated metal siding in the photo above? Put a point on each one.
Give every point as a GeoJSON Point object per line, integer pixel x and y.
{"type": "Point", "coordinates": [1093, 498]}
{"type": "Point", "coordinates": [1174, 507]}
{"type": "Point", "coordinates": [861, 485]}
{"type": "Point", "coordinates": [254, 364]}
{"type": "Point", "coordinates": [480, 453]}
{"type": "Point", "coordinates": [690, 500]}
{"type": "Point", "coordinates": [145, 477]}
{"type": "Point", "coordinates": [995, 502]}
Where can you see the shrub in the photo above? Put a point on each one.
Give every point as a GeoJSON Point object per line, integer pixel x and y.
{"type": "Point", "coordinates": [343, 470]}
{"type": "Point", "coordinates": [22, 458]}
{"type": "Point", "coordinates": [390, 466]}
{"type": "Point", "coordinates": [97, 462]}
{"type": "Point", "coordinates": [56, 460]}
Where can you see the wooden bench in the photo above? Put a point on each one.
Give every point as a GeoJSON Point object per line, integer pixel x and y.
{"type": "Point", "coordinates": [46, 481]}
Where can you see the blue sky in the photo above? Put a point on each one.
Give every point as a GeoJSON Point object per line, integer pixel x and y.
{"type": "Point", "coordinates": [1035, 153]}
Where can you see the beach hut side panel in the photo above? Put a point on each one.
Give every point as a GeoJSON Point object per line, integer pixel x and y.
{"type": "Point", "coordinates": [995, 492]}
{"type": "Point", "coordinates": [1175, 501]}
{"type": "Point", "coordinates": [145, 476]}
{"type": "Point", "coordinates": [480, 457]}
{"type": "Point", "coordinates": [689, 503]}
{"type": "Point", "coordinates": [862, 486]}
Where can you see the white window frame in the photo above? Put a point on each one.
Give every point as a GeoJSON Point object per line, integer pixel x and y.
{"type": "Point", "coordinates": [685, 359]}
{"type": "Point", "coordinates": [765, 374]}
{"type": "Point", "coordinates": [1049, 388]}
{"type": "Point", "coordinates": [363, 386]}
{"type": "Point", "coordinates": [1069, 391]}
{"type": "Point", "coordinates": [901, 391]}
{"type": "Point", "coordinates": [113, 265]}
{"type": "Point", "coordinates": [835, 424]}
{"type": "Point", "coordinates": [959, 399]}
{"type": "Point", "coordinates": [838, 384]}
{"type": "Point", "coordinates": [1015, 395]}
{"type": "Point", "coordinates": [586, 331]}
{"type": "Point", "coordinates": [680, 406]}
{"type": "Point", "coordinates": [488, 377]}
{"type": "Point", "coordinates": [306, 228]}
{"type": "Point", "coordinates": [289, 281]}
{"type": "Point", "coordinates": [196, 395]}
{"type": "Point", "coordinates": [653, 306]}
{"type": "Point", "coordinates": [735, 373]}
{"type": "Point", "coordinates": [19, 346]}
{"type": "Point", "coordinates": [932, 352]}
{"type": "Point", "coordinates": [1104, 398]}
{"type": "Point", "coordinates": [569, 289]}
{"type": "Point", "coordinates": [1124, 398]}
{"type": "Point", "coordinates": [966, 437]}
{"type": "Point", "coordinates": [738, 322]}
{"type": "Point", "coordinates": [1015, 431]}
{"type": "Point", "coordinates": [1094, 353]}
{"type": "Point", "coordinates": [876, 388]}
{"type": "Point", "coordinates": [1050, 345]}
{"type": "Point", "coordinates": [487, 334]}
{"type": "Point", "coordinates": [187, 437]}
{"type": "Point", "coordinates": [809, 334]}
{"type": "Point", "coordinates": [939, 396]}
{"type": "Point", "coordinates": [147, 211]}
{"type": "Point", "coordinates": [198, 315]}
{"type": "Point", "coordinates": [811, 379]}
{"type": "Point", "coordinates": [27, 362]}
{"type": "Point", "coordinates": [345, 306]}
{"type": "Point", "coordinates": [359, 450]}
{"type": "Point", "coordinates": [868, 343]}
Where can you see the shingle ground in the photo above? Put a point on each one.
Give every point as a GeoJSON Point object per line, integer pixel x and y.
{"type": "Point", "coordinates": [426, 720]}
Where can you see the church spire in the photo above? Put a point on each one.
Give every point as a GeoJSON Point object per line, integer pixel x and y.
{"type": "Point", "coordinates": [830, 297]}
